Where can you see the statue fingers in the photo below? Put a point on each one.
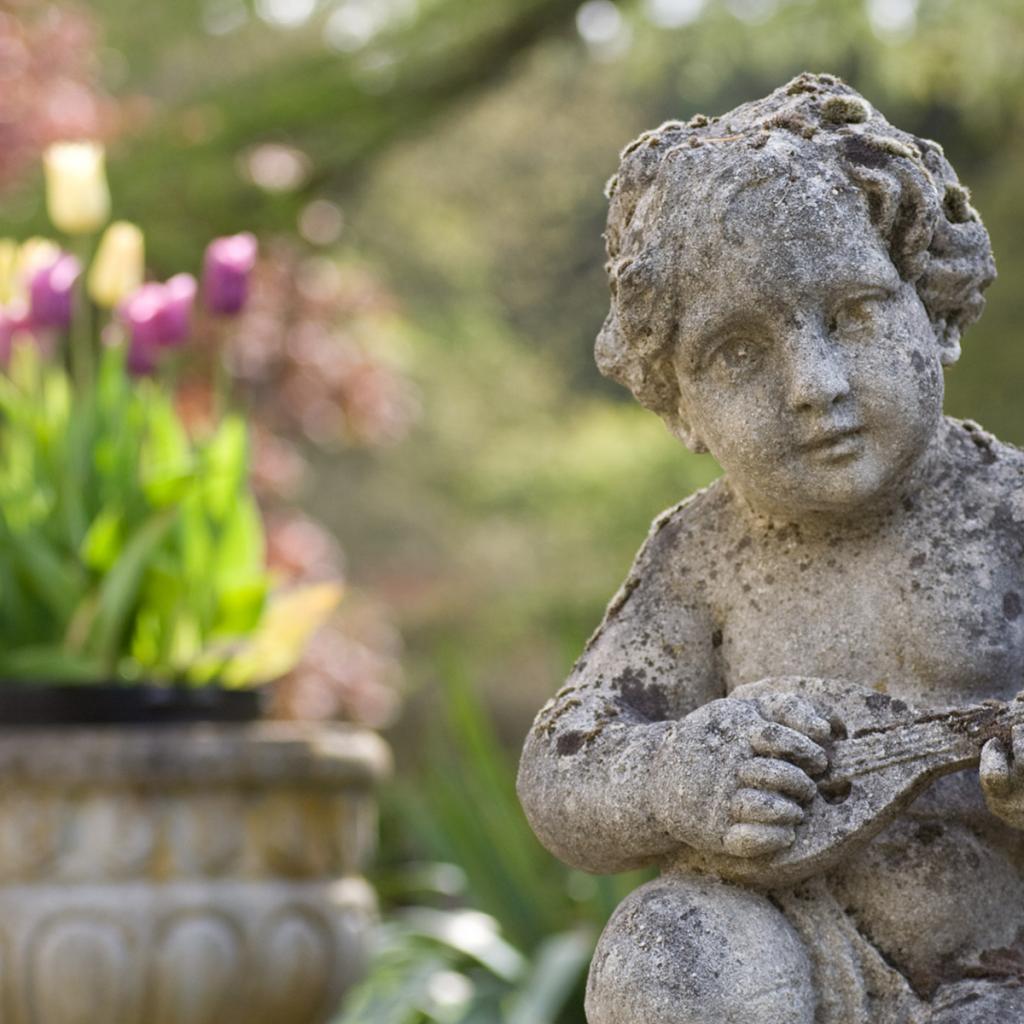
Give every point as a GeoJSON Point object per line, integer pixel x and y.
{"type": "Point", "coordinates": [762, 807]}
{"type": "Point", "coordinates": [774, 740]}
{"type": "Point", "coordinates": [1017, 756]}
{"type": "Point", "coordinates": [994, 769]}
{"type": "Point", "coordinates": [780, 776]}
{"type": "Point", "coordinates": [746, 840]}
{"type": "Point", "coordinates": [795, 712]}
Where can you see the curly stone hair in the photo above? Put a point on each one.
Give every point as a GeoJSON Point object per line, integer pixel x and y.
{"type": "Point", "coordinates": [922, 213]}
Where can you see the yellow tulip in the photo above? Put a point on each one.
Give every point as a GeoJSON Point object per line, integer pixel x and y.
{"type": "Point", "coordinates": [34, 254]}
{"type": "Point", "coordinates": [19, 262]}
{"type": "Point", "coordinates": [8, 269]}
{"type": "Point", "coordinates": [118, 267]}
{"type": "Point", "coordinates": [77, 196]}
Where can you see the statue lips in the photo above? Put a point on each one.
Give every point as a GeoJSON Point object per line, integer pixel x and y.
{"type": "Point", "coordinates": [837, 443]}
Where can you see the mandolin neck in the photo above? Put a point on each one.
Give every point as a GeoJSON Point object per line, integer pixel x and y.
{"type": "Point", "coordinates": [927, 741]}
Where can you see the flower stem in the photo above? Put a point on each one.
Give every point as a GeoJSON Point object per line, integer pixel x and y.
{"type": "Point", "coordinates": [223, 384]}
{"type": "Point", "coordinates": [83, 342]}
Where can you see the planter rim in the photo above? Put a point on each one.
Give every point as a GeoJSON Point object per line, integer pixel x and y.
{"type": "Point", "coordinates": [303, 753]}
{"type": "Point", "coordinates": [26, 704]}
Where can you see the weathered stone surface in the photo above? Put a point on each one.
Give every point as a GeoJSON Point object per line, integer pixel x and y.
{"type": "Point", "coordinates": [184, 875]}
{"type": "Point", "coordinates": [800, 704]}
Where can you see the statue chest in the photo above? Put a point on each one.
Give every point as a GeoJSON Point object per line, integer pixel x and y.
{"type": "Point", "coordinates": [924, 622]}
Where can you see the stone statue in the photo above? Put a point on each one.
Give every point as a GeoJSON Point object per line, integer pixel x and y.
{"type": "Point", "coordinates": [801, 703]}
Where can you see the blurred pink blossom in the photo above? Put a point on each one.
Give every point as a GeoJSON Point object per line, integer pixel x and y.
{"type": "Point", "coordinates": [49, 83]}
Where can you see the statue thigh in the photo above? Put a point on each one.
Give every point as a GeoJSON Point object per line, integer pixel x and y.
{"type": "Point", "coordinates": [977, 1001]}
{"type": "Point", "coordinates": [685, 949]}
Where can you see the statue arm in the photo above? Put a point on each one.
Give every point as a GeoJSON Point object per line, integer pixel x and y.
{"type": "Point", "coordinates": [586, 773]}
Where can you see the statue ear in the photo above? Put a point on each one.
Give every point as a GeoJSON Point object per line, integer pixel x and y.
{"type": "Point", "coordinates": [681, 429]}
{"type": "Point", "coordinates": [949, 349]}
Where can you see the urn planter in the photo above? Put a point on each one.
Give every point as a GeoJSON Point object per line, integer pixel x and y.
{"type": "Point", "coordinates": [184, 873]}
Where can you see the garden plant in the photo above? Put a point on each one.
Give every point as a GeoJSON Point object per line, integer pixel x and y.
{"type": "Point", "coordinates": [131, 545]}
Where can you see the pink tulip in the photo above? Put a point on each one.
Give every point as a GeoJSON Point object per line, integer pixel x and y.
{"type": "Point", "coordinates": [226, 269]}
{"type": "Point", "coordinates": [51, 290]}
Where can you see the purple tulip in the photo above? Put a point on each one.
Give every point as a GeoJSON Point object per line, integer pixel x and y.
{"type": "Point", "coordinates": [51, 290]}
{"type": "Point", "coordinates": [176, 318]}
{"type": "Point", "coordinates": [157, 316]}
{"type": "Point", "coordinates": [140, 313]}
{"type": "Point", "coordinates": [226, 269]}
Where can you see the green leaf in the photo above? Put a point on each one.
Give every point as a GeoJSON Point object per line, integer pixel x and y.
{"type": "Point", "coordinates": [25, 368]}
{"type": "Point", "coordinates": [559, 965]}
{"type": "Point", "coordinates": [147, 645]}
{"type": "Point", "coordinates": [195, 539]}
{"type": "Point", "coordinates": [103, 542]}
{"type": "Point", "coordinates": [50, 664]}
{"type": "Point", "coordinates": [74, 486]}
{"type": "Point", "coordinates": [239, 556]}
{"type": "Point", "coordinates": [240, 608]}
{"type": "Point", "coordinates": [186, 641]}
{"type": "Point", "coordinates": [41, 569]}
{"type": "Point", "coordinates": [119, 591]}
{"type": "Point", "coordinates": [471, 933]}
{"type": "Point", "coordinates": [277, 644]}
{"type": "Point", "coordinates": [166, 462]}
{"type": "Point", "coordinates": [225, 466]}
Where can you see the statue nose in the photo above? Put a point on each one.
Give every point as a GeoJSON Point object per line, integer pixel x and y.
{"type": "Point", "coordinates": [817, 371]}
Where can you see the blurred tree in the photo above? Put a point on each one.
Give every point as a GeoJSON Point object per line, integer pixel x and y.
{"type": "Point", "coordinates": [49, 84]}
{"type": "Point", "coordinates": [512, 512]}
{"type": "Point", "coordinates": [256, 108]}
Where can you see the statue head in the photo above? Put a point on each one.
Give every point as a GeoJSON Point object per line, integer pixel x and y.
{"type": "Point", "coordinates": [787, 281]}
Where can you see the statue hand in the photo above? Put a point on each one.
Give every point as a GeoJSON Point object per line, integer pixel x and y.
{"type": "Point", "coordinates": [738, 773]}
{"type": "Point", "coordinates": [1002, 778]}
{"type": "Point", "coordinates": [776, 784]}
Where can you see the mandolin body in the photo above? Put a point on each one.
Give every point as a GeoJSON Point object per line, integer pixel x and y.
{"type": "Point", "coordinates": [883, 753]}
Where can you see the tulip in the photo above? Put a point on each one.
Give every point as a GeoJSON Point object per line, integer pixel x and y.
{"type": "Point", "coordinates": [8, 268]}
{"type": "Point", "coordinates": [179, 299]}
{"type": "Point", "coordinates": [117, 269]}
{"type": "Point", "coordinates": [77, 196]}
{"type": "Point", "coordinates": [140, 314]}
{"type": "Point", "coordinates": [33, 254]}
{"type": "Point", "coordinates": [157, 316]}
{"type": "Point", "coordinates": [226, 269]}
{"type": "Point", "coordinates": [51, 291]}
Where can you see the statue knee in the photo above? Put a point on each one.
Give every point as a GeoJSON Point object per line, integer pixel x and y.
{"type": "Point", "coordinates": [698, 951]}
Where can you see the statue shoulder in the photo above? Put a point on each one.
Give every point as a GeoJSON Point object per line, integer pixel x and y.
{"type": "Point", "coordinates": [673, 558]}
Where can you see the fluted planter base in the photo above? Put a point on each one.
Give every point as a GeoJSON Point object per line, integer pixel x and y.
{"type": "Point", "coordinates": [185, 874]}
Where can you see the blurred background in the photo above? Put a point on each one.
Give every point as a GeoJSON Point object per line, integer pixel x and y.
{"type": "Point", "coordinates": [425, 178]}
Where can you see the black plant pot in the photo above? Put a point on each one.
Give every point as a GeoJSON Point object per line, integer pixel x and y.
{"type": "Point", "coordinates": [31, 704]}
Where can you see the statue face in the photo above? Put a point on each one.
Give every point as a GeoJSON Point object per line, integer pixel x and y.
{"type": "Point", "coordinates": [805, 364]}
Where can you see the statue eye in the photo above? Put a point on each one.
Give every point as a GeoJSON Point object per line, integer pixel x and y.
{"type": "Point", "coordinates": [738, 355]}
{"type": "Point", "coordinates": [856, 316]}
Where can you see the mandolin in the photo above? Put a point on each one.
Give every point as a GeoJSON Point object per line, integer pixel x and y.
{"type": "Point", "coordinates": [881, 757]}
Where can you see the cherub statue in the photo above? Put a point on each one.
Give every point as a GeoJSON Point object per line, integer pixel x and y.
{"type": "Point", "coordinates": [800, 705]}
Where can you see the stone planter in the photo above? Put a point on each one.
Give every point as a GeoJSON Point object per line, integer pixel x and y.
{"type": "Point", "coordinates": [184, 874]}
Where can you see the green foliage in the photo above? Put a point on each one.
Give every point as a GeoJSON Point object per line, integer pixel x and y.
{"type": "Point", "coordinates": [126, 548]}
{"type": "Point", "coordinates": [457, 966]}
{"type": "Point", "coordinates": [454, 967]}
